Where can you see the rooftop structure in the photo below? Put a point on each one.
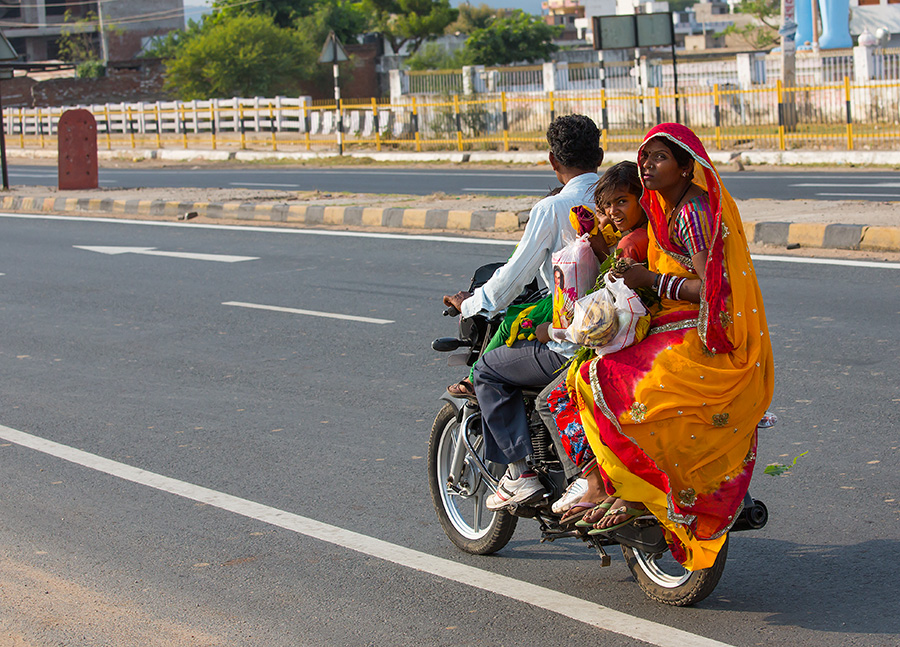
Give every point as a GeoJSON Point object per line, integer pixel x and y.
{"type": "Point", "coordinates": [34, 26]}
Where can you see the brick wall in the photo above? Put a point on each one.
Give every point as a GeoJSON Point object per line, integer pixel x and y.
{"type": "Point", "coordinates": [138, 81]}
{"type": "Point", "coordinates": [142, 80]}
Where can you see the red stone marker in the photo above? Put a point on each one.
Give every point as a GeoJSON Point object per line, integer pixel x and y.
{"type": "Point", "coordinates": [77, 136]}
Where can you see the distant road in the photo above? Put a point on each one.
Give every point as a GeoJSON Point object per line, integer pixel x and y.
{"type": "Point", "coordinates": [817, 185]}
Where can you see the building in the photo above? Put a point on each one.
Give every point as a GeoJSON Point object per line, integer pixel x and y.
{"type": "Point", "coordinates": [563, 13]}
{"type": "Point", "coordinates": [34, 26]}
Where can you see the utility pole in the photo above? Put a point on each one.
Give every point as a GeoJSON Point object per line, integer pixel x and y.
{"type": "Point", "coordinates": [104, 48]}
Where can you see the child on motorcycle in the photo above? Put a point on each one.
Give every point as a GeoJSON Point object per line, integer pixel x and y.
{"type": "Point", "coordinates": [617, 195]}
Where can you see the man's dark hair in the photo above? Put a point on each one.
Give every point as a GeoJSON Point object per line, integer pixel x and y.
{"type": "Point", "coordinates": [575, 142]}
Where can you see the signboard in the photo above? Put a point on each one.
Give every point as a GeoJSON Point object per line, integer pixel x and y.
{"type": "Point", "coordinates": [333, 51]}
{"type": "Point", "coordinates": [654, 29]}
{"type": "Point", "coordinates": [629, 31]}
{"type": "Point", "coordinates": [614, 32]}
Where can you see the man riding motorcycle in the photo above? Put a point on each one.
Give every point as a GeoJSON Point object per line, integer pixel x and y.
{"type": "Point", "coordinates": [575, 155]}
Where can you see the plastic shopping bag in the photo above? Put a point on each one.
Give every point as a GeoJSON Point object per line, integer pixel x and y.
{"type": "Point", "coordinates": [610, 319]}
{"type": "Point", "coordinates": [575, 270]}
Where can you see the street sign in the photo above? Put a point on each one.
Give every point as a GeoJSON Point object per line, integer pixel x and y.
{"type": "Point", "coordinates": [333, 51]}
{"type": "Point", "coordinates": [7, 53]}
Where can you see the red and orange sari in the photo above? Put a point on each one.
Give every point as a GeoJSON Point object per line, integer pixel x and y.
{"type": "Point", "coordinates": [672, 420]}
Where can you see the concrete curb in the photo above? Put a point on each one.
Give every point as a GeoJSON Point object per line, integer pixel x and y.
{"type": "Point", "coordinates": [777, 234]}
{"type": "Point", "coordinates": [459, 220]}
{"type": "Point", "coordinates": [833, 236]}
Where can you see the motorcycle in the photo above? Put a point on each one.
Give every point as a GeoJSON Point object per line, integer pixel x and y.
{"type": "Point", "coordinates": [461, 479]}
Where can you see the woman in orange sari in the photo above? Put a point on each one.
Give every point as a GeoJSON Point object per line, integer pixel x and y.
{"type": "Point", "coordinates": [672, 420]}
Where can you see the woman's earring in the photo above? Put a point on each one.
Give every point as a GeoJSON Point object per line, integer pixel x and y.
{"type": "Point", "coordinates": [685, 174]}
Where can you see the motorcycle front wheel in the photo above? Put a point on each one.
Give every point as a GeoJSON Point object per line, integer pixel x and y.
{"type": "Point", "coordinates": [663, 579]}
{"type": "Point", "coordinates": [462, 513]}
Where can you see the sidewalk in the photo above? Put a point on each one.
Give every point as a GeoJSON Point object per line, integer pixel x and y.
{"type": "Point", "coordinates": [856, 225]}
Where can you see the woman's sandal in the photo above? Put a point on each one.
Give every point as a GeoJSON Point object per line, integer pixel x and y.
{"type": "Point", "coordinates": [631, 513]}
{"type": "Point", "coordinates": [605, 506]}
{"type": "Point", "coordinates": [574, 514]}
{"type": "Point", "coordinates": [462, 389]}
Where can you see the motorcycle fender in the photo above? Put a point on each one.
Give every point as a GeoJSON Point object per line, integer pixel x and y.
{"type": "Point", "coordinates": [458, 403]}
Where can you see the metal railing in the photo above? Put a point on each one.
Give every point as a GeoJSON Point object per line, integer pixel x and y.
{"type": "Point", "coordinates": [830, 115]}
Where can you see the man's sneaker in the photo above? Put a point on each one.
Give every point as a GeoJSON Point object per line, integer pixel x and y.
{"type": "Point", "coordinates": [525, 489]}
{"type": "Point", "coordinates": [571, 496]}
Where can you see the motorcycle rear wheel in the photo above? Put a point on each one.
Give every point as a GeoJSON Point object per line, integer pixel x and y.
{"type": "Point", "coordinates": [465, 519]}
{"type": "Point", "coordinates": [665, 580]}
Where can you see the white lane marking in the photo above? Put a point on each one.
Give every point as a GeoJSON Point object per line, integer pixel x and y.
{"type": "Point", "coordinates": [289, 186]}
{"type": "Point", "coordinates": [407, 237]}
{"type": "Point", "coordinates": [863, 195]}
{"type": "Point", "coordinates": [826, 261]}
{"type": "Point", "coordinates": [311, 313]}
{"type": "Point", "coordinates": [855, 185]}
{"type": "Point", "coordinates": [566, 605]}
{"type": "Point", "coordinates": [152, 251]}
{"type": "Point", "coordinates": [479, 188]}
{"type": "Point", "coordinates": [267, 230]}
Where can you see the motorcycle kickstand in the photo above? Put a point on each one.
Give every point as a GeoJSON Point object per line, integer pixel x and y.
{"type": "Point", "coordinates": [605, 559]}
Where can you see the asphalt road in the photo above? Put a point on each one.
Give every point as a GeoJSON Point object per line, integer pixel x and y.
{"type": "Point", "coordinates": [135, 358]}
{"type": "Point", "coordinates": [781, 185]}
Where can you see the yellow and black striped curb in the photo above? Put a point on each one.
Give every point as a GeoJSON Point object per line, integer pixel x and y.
{"type": "Point", "coordinates": [278, 212]}
{"type": "Point", "coordinates": [779, 234]}
{"type": "Point", "coordinates": [833, 236]}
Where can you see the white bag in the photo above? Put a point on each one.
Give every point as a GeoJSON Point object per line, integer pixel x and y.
{"type": "Point", "coordinates": [607, 320]}
{"type": "Point", "coordinates": [575, 270]}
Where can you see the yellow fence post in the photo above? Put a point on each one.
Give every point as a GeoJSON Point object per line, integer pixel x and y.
{"type": "Point", "coordinates": [505, 121]}
{"type": "Point", "coordinates": [375, 124]}
{"type": "Point", "coordinates": [40, 126]}
{"type": "Point", "coordinates": [129, 116]}
{"type": "Point", "coordinates": [415, 125]}
{"type": "Point", "coordinates": [306, 124]}
{"type": "Point", "coordinates": [656, 102]}
{"type": "Point", "coordinates": [158, 115]}
{"type": "Point", "coordinates": [552, 106]}
{"type": "Point", "coordinates": [181, 121]}
{"type": "Point", "coordinates": [272, 125]}
{"type": "Point", "coordinates": [849, 114]}
{"type": "Point", "coordinates": [459, 137]}
{"type": "Point", "coordinates": [108, 128]}
{"type": "Point", "coordinates": [718, 117]}
{"type": "Point", "coordinates": [604, 132]}
{"type": "Point", "coordinates": [779, 88]}
{"type": "Point", "coordinates": [212, 123]}
{"type": "Point", "coordinates": [240, 116]}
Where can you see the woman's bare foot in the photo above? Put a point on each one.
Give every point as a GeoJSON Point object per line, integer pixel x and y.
{"type": "Point", "coordinates": [620, 513]}
{"type": "Point", "coordinates": [594, 515]}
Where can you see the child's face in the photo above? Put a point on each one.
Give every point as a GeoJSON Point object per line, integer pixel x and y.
{"type": "Point", "coordinates": [624, 210]}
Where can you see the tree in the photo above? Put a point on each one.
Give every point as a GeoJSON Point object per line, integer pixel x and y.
{"type": "Point", "coordinates": [471, 18]}
{"type": "Point", "coordinates": [241, 56]}
{"type": "Point", "coordinates": [409, 21]}
{"type": "Point", "coordinates": [283, 12]}
{"type": "Point", "coordinates": [345, 17]}
{"type": "Point", "coordinates": [762, 35]}
{"type": "Point", "coordinates": [434, 57]}
{"type": "Point", "coordinates": [510, 39]}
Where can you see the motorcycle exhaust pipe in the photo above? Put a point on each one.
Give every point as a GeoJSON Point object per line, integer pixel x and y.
{"type": "Point", "coordinates": [753, 517]}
